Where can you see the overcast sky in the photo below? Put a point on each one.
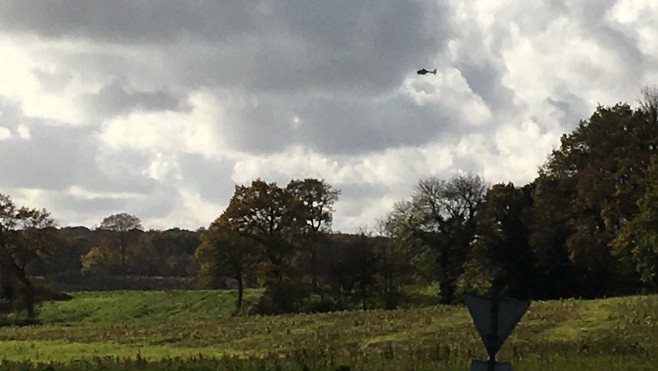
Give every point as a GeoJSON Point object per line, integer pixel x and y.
{"type": "Point", "coordinates": [158, 108]}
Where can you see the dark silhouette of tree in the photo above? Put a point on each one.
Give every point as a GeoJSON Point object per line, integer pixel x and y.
{"type": "Point", "coordinates": [26, 235]}
{"type": "Point", "coordinates": [501, 260]}
{"type": "Point", "coordinates": [224, 253]}
{"type": "Point", "coordinates": [549, 230]}
{"type": "Point", "coordinates": [361, 266]}
{"type": "Point", "coordinates": [636, 244]}
{"type": "Point", "coordinates": [599, 167]}
{"type": "Point", "coordinates": [351, 266]}
{"type": "Point", "coordinates": [165, 253]}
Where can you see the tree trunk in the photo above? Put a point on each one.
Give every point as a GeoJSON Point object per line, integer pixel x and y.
{"type": "Point", "coordinates": [123, 245]}
{"type": "Point", "coordinates": [446, 292]}
{"type": "Point", "coordinates": [364, 291]}
{"type": "Point", "coordinates": [314, 274]}
{"type": "Point", "coordinates": [238, 303]}
{"type": "Point", "coordinates": [28, 294]}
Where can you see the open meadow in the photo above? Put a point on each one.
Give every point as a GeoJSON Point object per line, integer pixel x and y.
{"type": "Point", "coordinates": [194, 330]}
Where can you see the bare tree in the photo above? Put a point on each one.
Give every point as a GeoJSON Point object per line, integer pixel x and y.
{"type": "Point", "coordinates": [649, 102]}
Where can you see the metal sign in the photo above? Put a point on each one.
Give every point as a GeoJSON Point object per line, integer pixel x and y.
{"type": "Point", "coordinates": [488, 366]}
{"type": "Point", "coordinates": [495, 319]}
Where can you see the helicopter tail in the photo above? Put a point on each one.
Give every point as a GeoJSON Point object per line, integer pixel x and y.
{"type": "Point", "coordinates": [434, 71]}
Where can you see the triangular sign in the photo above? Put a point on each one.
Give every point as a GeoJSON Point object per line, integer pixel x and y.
{"type": "Point", "coordinates": [486, 366]}
{"type": "Point", "coordinates": [495, 318]}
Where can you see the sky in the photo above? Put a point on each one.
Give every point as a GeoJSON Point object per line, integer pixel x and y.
{"type": "Point", "coordinates": [159, 108]}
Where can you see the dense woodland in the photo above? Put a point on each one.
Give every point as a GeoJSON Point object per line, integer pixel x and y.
{"type": "Point", "coordinates": [586, 226]}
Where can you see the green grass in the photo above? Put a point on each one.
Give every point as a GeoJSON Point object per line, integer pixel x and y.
{"type": "Point", "coordinates": [144, 306]}
{"type": "Point", "coordinates": [196, 330]}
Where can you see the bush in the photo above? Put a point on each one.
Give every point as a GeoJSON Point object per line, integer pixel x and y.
{"type": "Point", "coordinates": [282, 297]}
{"type": "Point", "coordinates": [321, 305]}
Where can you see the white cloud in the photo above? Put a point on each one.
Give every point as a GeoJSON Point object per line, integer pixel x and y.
{"type": "Point", "coordinates": [168, 131]}
{"type": "Point", "coordinates": [4, 133]}
{"type": "Point", "coordinates": [22, 56]}
{"type": "Point", "coordinates": [23, 131]}
{"type": "Point", "coordinates": [190, 211]}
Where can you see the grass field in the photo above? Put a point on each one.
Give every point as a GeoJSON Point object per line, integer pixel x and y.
{"type": "Point", "coordinates": [195, 330]}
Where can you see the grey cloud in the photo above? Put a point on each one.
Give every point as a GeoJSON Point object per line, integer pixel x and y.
{"type": "Point", "coordinates": [53, 158]}
{"type": "Point", "coordinates": [360, 126]}
{"type": "Point", "coordinates": [115, 99]}
{"type": "Point", "coordinates": [53, 82]}
{"type": "Point", "coordinates": [73, 209]}
{"type": "Point", "coordinates": [592, 15]}
{"type": "Point", "coordinates": [57, 157]}
{"type": "Point", "coordinates": [210, 177]}
{"type": "Point", "coordinates": [262, 126]}
{"type": "Point", "coordinates": [374, 43]}
{"type": "Point", "coordinates": [476, 161]}
{"type": "Point", "coordinates": [571, 106]}
{"type": "Point", "coordinates": [87, 205]}
{"type": "Point", "coordinates": [360, 191]}
{"type": "Point", "coordinates": [469, 163]}
{"type": "Point", "coordinates": [625, 47]}
{"type": "Point", "coordinates": [10, 116]}
{"type": "Point", "coordinates": [158, 204]}
{"type": "Point", "coordinates": [336, 124]}
{"type": "Point", "coordinates": [558, 5]}
{"type": "Point", "coordinates": [128, 21]}
{"type": "Point", "coordinates": [121, 170]}
{"type": "Point", "coordinates": [353, 196]}
{"type": "Point", "coordinates": [485, 79]}
{"type": "Point", "coordinates": [534, 17]}
{"type": "Point", "coordinates": [286, 46]}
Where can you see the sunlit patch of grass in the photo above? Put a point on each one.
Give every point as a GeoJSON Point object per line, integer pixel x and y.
{"type": "Point", "coordinates": [156, 306]}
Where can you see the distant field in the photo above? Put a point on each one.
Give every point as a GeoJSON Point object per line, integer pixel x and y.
{"type": "Point", "coordinates": [195, 330]}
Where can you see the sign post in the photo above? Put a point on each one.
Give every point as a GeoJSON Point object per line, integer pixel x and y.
{"type": "Point", "coordinates": [494, 320]}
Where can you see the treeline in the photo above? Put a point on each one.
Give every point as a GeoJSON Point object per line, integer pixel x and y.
{"type": "Point", "coordinates": [586, 226]}
{"type": "Point", "coordinates": [111, 258]}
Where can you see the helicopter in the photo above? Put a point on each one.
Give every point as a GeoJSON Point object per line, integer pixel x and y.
{"type": "Point", "coordinates": [424, 71]}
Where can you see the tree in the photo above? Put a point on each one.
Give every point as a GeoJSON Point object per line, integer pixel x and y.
{"type": "Point", "coordinates": [315, 200]}
{"type": "Point", "coordinates": [120, 228]}
{"type": "Point", "coordinates": [285, 223]}
{"type": "Point", "coordinates": [165, 253]}
{"type": "Point", "coordinates": [268, 215]}
{"type": "Point", "coordinates": [649, 103]}
{"type": "Point", "coordinates": [361, 266]}
{"type": "Point", "coordinates": [440, 217]}
{"type": "Point", "coordinates": [599, 167]}
{"type": "Point", "coordinates": [224, 253]}
{"type": "Point", "coordinates": [501, 258]}
{"type": "Point", "coordinates": [65, 264]}
{"type": "Point", "coordinates": [350, 267]}
{"type": "Point", "coordinates": [102, 259]}
{"type": "Point", "coordinates": [395, 256]}
{"type": "Point", "coordinates": [636, 245]}
{"type": "Point", "coordinates": [26, 235]}
{"type": "Point", "coordinates": [549, 229]}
